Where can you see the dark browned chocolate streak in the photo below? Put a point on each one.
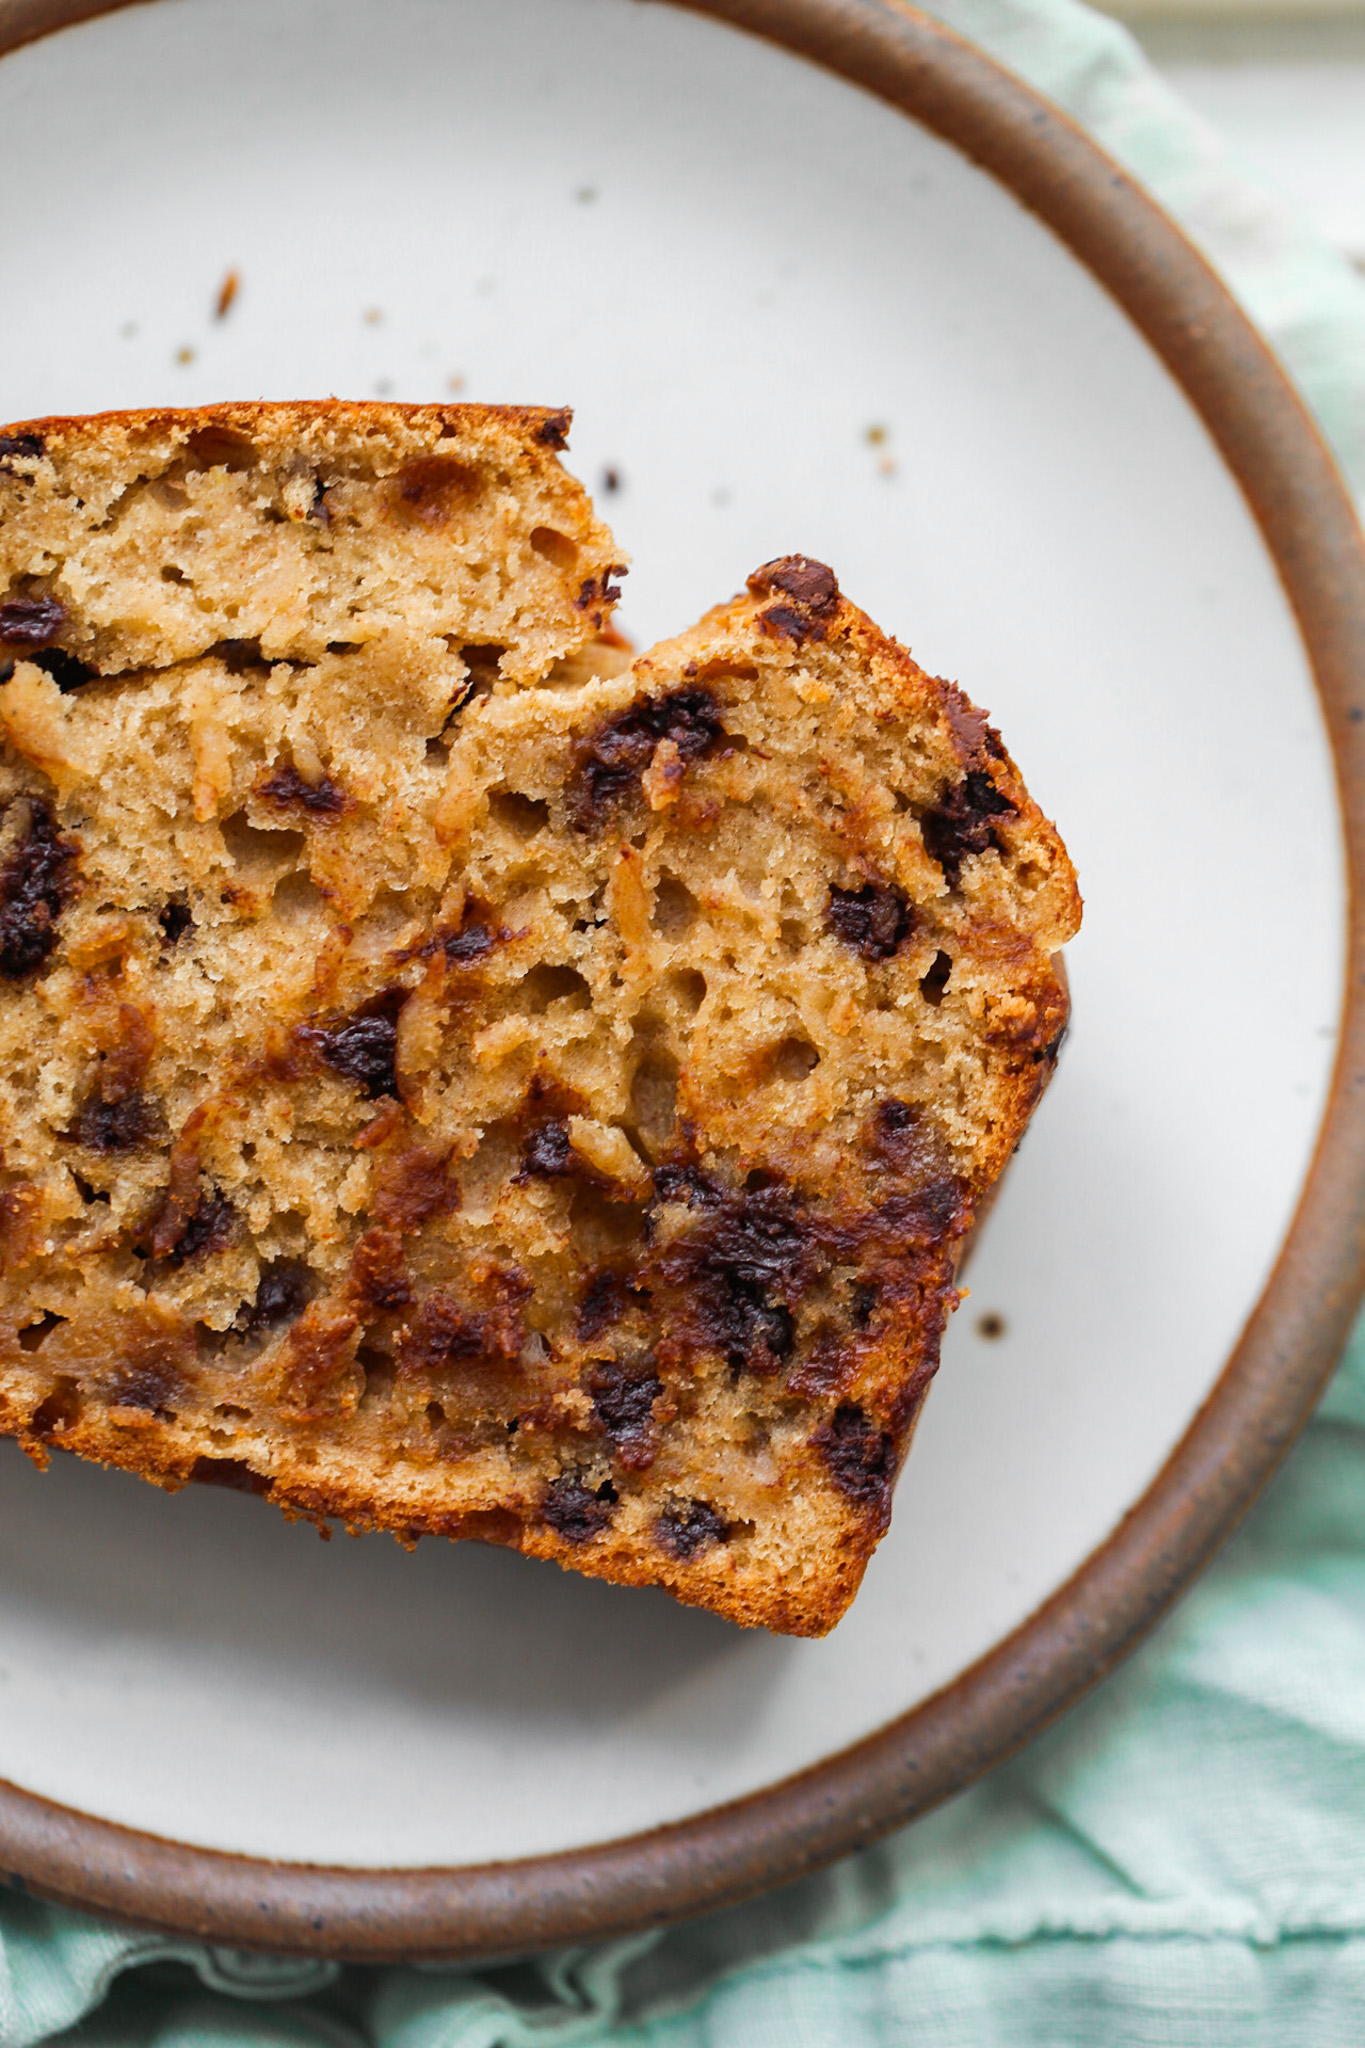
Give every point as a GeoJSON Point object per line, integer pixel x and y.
{"type": "Point", "coordinates": [286, 787]}
{"type": "Point", "coordinates": [35, 882]}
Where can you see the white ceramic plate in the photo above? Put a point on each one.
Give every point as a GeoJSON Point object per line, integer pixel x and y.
{"type": "Point", "coordinates": [788, 320]}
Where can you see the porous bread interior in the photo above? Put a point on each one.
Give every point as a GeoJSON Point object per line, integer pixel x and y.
{"type": "Point", "coordinates": [635, 1065]}
{"type": "Point", "coordinates": [306, 527]}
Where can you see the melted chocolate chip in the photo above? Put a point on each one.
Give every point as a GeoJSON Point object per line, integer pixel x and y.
{"type": "Point", "coordinates": [286, 787]}
{"type": "Point", "coordinates": [473, 941]}
{"type": "Point", "coordinates": [153, 1386]}
{"type": "Point", "coordinates": [874, 920]}
{"type": "Point", "coordinates": [34, 885]}
{"type": "Point", "coordinates": [120, 1126]}
{"type": "Point", "coordinates": [209, 1228]}
{"type": "Point", "coordinates": [759, 1244]}
{"type": "Point", "coordinates": [553, 431]}
{"type": "Point", "coordinates": [611, 763]}
{"type": "Point", "coordinates": [961, 824]}
{"type": "Point", "coordinates": [547, 1154]}
{"type": "Point", "coordinates": [283, 1292]}
{"type": "Point", "coordinates": [575, 1513]}
{"type": "Point", "coordinates": [470, 944]}
{"type": "Point", "coordinates": [688, 1526]}
{"type": "Point", "coordinates": [686, 1184]}
{"type": "Point", "coordinates": [31, 621]}
{"type": "Point", "coordinates": [860, 1456]}
{"type": "Point", "coordinates": [20, 444]}
{"type": "Point", "coordinates": [175, 920]}
{"type": "Point", "coordinates": [363, 1047]}
{"type": "Point", "coordinates": [601, 1305]}
{"type": "Point", "coordinates": [901, 1139]}
{"type": "Point", "coordinates": [597, 592]}
{"type": "Point", "coordinates": [623, 1398]}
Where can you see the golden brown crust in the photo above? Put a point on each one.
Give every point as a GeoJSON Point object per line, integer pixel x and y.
{"type": "Point", "coordinates": [485, 1091]}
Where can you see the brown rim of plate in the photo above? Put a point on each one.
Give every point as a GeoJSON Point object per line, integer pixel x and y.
{"type": "Point", "coordinates": [1268, 1387]}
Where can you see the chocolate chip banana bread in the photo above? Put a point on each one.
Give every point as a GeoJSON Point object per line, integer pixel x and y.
{"type": "Point", "coordinates": [453, 1079]}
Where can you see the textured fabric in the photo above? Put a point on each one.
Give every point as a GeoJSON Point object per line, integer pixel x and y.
{"type": "Point", "coordinates": [1181, 1862]}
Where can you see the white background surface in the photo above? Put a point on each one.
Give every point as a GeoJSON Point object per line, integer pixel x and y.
{"type": "Point", "coordinates": [733, 267]}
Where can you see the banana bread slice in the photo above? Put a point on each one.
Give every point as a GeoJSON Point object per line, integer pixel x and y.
{"type": "Point", "coordinates": [457, 1082]}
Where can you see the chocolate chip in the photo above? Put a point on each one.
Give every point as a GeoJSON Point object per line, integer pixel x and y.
{"type": "Point", "coordinates": [874, 920]}
{"type": "Point", "coordinates": [121, 1126]}
{"type": "Point", "coordinates": [153, 1387]}
{"type": "Point", "coordinates": [175, 920]}
{"type": "Point", "coordinates": [961, 823]}
{"type": "Point", "coordinates": [612, 761]}
{"type": "Point", "coordinates": [860, 1456]}
{"type": "Point", "coordinates": [756, 1246]}
{"type": "Point", "coordinates": [20, 444]}
{"type": "Point", "coordinates": [623, 1398]}
{"type": "Point", "coordinates": [900, 1138]}
{"type": "Point", "coordinates": [283, 1292]}
{"type": "Point", "coordinates": [575, 1513]}
{"type": "Point", "coordinates": [31, 621]}
{"type": "Point", "coordinates": [547, 1154]}
{"type": "Point", "coordinates": [209, 1228]}
{"type": "Point", "coordinates": [553, 431]}
{"type": "Point", "coordinates": [601, 1305]}
{"type": "Point", "coordinates": [287, 787]}
{"type": "Point", "coordinates": [811, 584]}
{"type": "Point", "coordinates": [363, 1047]}
{"type": "Point", "coordinates": [688, 1526]}
{"type": "Point", "coordinates": [686, 1184]}
{"type": "Point", "coordinates": [470, 944]}
{"type": "Point", "coordinates": [599, 591]}
{"type": "Point", "coordinates": [35, 883]}
{"type": "Point", "coordinates": [813, 594]}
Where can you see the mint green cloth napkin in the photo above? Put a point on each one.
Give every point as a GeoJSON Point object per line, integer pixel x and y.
{"type": "Point", "coordinates": [1180, 1863]}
